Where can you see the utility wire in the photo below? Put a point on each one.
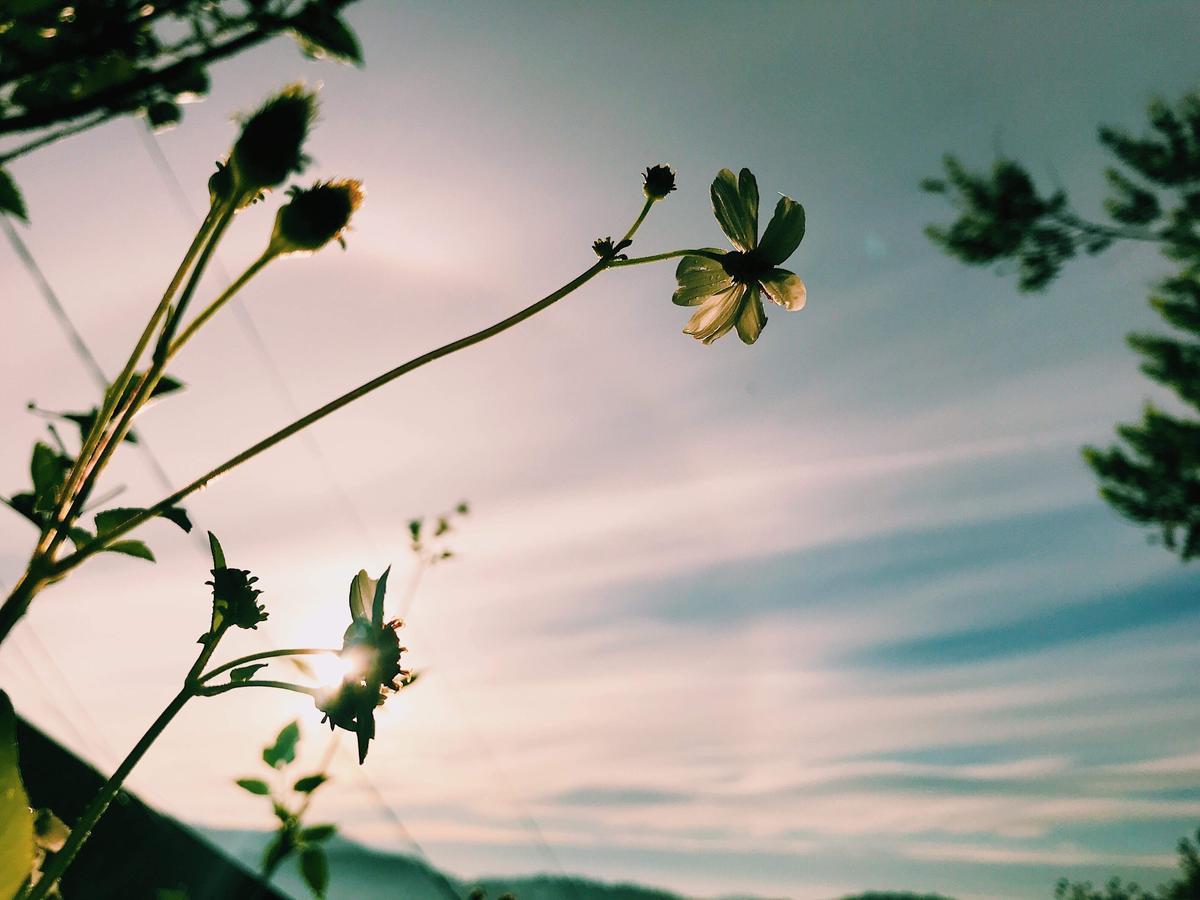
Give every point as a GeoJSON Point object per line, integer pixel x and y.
{"type": "Point", "coordinates": [336, 489]}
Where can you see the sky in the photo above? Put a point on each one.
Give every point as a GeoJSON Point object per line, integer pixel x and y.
{"type": "Point", "coordinates": [838, 611]}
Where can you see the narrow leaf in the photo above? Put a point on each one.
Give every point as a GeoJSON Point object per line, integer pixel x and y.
{"type": "Point", "coordinates": [11, 201]}
{"type": "Point", "coordinates": [318, 833]}
{"type": "Point", "coordinates": [254, 786]}
{"type": "Point", "coordinates": [218, 555]}
{"type": "Point", "coordinates": [245, 673]}
{"type": "Point", "coordinates": [131, 548]}
{"type": "Point", "coordinates": [283, 751]}
{"type": "Point", "coordinates": [314, 866]}
{"type": "Point", "coordinates": [310, 783]}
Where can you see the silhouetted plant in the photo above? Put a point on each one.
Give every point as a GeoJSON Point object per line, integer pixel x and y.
{"type": "Point", "coordinates": [268, 151]}
{"type": "Point", "coordinates": [1152, 475]}
{"type": "Point", "coordinates": [289, 804]}
{"type": "Point", "coordinates": [1184, 887]}
{"type": "Point", "coordinates": [235, 604]}
{"type": "Point", "coordinates": [65, 68]}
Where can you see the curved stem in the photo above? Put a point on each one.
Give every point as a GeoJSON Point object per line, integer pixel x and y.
{"type": "Point", "coordinates": [270, 654]}
{"type": "Point", "coordinates": [119, 387]}
{"type": "Point", "coordinates": [111, 440]}
{"type": "Point", "coordinates": [211, 310]}
{"type": "Point", "coordinates": [278, 685]}
{"type": "Point", "coordinates": [82, 829]}
{"type": "Point", "coordinates": [671, 254]}
{"type": "Point", "coordinates": [333, 406]}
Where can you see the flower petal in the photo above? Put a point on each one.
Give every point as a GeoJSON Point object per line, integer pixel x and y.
{"type": "Point", "coordinates": [377, 604]}
{"type": "Point", "coordinates": [784, 232]}
{"type": "Point", "coordinates": [785, 288]}
{"type": "Point", "coordinates": [748, 190]}
{"type": "Point", "coordinates": [362, 592]}
{"type": "Point", "coordinates": [699, 277]}
{"type": "Point", "coordinates": [731, 212]}
{"type": "Point", "coordinates": [751, 319]}
{"type": "Point", "coordinates": [715, 317]}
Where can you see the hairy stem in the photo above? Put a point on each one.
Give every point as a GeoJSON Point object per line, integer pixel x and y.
{"type": "Point", "coordinates": [100, 543]}
{"type": "Point", "coordinates": [82, 829]}
{"type": "Point", "coordinates": [270, 654]}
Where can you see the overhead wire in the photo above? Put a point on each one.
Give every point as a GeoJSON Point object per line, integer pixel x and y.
{"type": "Point", "coordinates": [336, 489]}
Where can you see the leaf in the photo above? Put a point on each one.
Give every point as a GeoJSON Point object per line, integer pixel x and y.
{"type": "Point", "coordinates": [218, 555]}
{"type": "Point", "coordinates": [322, 33]}
{"type": "Point", "coordinates": [179, 516]}
{"type": "Point", "coordinates": [79, 536]}
{"type": "Point", "coordinates": [318, 833]}
{"type": "Point", "coordinates": [283, 814]}
{"type": "Point", "coordinates": [254, 786]}
{"type": "Point", "coordinates": [11, 201]}
{"type": "Point", "coordinates": [24, 504]}
{"type": "Point", "coordinates": [131, 548]}
{"type": "Point", "coordinates": [112, 519]}
{"type": "Point", "coordinates": [166, 385]}
{"type": "Point", "coordinates": [48, 468]}
{"type": "Point", "coordinates": [310, 783]}
{"type": "Point", "coordinates": [314, 866]}
{"type": "Point", "coordinates": [362, 592]}
{"type": "Point", "coordinates": [283, 751]}
{"type": "Point", "coordinates": [245, 673]}
{"type": "Point", "coordinates": [16, 819]}
{"type": "Point", "coordinates": [276, 852]}
{"type": "Point", "coordinates": [163, 114]}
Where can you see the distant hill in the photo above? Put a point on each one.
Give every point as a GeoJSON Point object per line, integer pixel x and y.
{"type": "Point", "coordinates": [359, 871]}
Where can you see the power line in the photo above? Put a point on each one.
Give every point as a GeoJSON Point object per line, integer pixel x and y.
{"type": "Point", "coordinates": [175, 187]}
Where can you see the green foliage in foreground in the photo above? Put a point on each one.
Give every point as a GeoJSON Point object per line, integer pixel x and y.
{"type": "Point", "coordinates": [1151, 476]}
{"type": "Point", "coordinates": [289, 803]}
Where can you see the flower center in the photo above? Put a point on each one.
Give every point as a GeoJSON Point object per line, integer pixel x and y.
{"type": "Point", "coordinates": [744, 268]}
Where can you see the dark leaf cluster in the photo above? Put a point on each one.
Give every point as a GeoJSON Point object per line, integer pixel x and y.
{"type": "Point", "coordinates": [1152, 474]}
{"type": "Point", "coordinates": [292, 837]}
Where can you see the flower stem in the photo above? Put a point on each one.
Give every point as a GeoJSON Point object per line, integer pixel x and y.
{"type": "Point", "coordinates": [118, 388]}
{"type": "Point", "coordinates": [671, 254]}
{"type": "Point", "coordinates": [211, 310]}
{"type": "Point", "coordinates": [278, 685]}
{"type": "Point", "coordinates": [145, 387]}
{"type": "Point", "coordinates": [270, 654]}
{"type": "Point", "coordinates": [82, 829]}
{"type": "Point", "coordinates": [100, 543]}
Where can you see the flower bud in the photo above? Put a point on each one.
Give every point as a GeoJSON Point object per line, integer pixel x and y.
{"type": "Point", "coordinates": [606, 249]}
{"type": "Point", "coordinates": [270, 146]}
{"type": "Point", "coordinates": [660, 181]}
{"type": "Point", "coordinates": [235, 599]}
{"type": "Point", "coordinates": [315, 216]}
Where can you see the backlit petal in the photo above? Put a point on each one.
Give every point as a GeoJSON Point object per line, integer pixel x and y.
{"type": "Point", "coordinates": [784, 232]}
{"type": "Point", "coordinates": [785, 288]}
{"type": "Point", "coordinates": [717, 315]}
{"type": "Point", "coordinates": [751, 319]}
{"type": "Point", "coordinates": [731, 212]}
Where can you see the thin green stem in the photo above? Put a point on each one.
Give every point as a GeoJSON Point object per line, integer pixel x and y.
{"type": "Point", "coordinates": [213, 308]}
{"type": "Point", "coordinates": [147, 383]}
{"type": "Point", "coordinates": [671, 254]}
{"type": "Point", "coordinates": [82, 829]}
{"type": "Point", "coordinates": [213, 690]}
{"type": "Point", "coordinates": [100, 543]}
{"type": "Point", "coordinates": [270, 654]}
{"type": "Point", "coordinates": [119, 387]}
